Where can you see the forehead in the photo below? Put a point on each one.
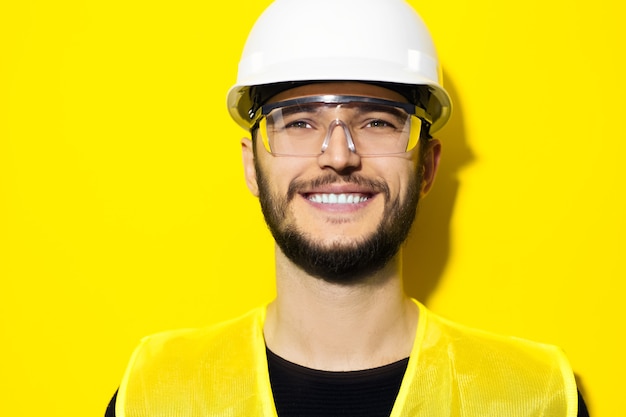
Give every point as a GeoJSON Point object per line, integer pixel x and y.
{"type": "Point", "coordinates": [339, 88]}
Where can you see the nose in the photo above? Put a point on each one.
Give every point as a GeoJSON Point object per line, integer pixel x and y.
{"type": "Point", "coordinates": [338, 149]}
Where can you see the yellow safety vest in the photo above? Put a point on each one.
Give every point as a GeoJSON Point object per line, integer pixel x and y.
{"type": "Point", "coordinates": [453, 371]}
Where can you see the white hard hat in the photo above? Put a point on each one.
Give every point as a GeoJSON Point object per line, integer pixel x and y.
{"type": "Point", "coordinates": [377, 41]}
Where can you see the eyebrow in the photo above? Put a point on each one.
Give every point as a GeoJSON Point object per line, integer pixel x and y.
{"type": "Point", "coordinates": [372, 107]}
{"type": "Point", "coordinates": [301, 108]}
{"type": "Point", "coordinates": [359, 107]}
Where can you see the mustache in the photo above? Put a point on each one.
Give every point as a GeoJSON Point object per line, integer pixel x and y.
{"type": "Point", "coordinates": [297, 186]}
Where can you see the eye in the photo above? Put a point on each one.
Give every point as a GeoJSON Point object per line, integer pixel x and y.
{"type": "Point", "coordinates": [379, 123]}
{"type": "Point", "coordinates": [298, 124]}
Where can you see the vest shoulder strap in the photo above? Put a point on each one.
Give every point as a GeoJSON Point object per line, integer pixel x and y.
{"type": "Point", "coordinates": [215, 371]}
{"type": "Point", "coordinates": [455, 370]}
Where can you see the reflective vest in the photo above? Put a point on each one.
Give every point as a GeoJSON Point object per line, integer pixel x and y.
{"type": "Point", "coordinates": [452, 371]}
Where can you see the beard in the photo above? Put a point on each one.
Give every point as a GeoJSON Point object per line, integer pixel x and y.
{"type": "Point", "coordinates": [336, 262]}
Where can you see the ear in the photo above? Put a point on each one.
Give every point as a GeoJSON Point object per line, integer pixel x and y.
{"type": "Point", "coordinates": [247, 154]}
{"type": "Point", "coordinates": [431, 163]}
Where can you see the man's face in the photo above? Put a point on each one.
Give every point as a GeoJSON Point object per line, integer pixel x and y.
{"type": "Point", "coordinates": [339, 216]}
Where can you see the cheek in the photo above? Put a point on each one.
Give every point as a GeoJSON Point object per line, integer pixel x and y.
{"type": "Point", "coordinates": [278, 172]}
{"type": "Point", "coordinates": [408, 184]}
{"type": "Point", "coordinates": [399, 173]}
{"type": "Point", "coordinates": [412, 171]}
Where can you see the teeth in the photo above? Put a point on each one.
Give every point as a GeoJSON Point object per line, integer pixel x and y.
{"type": "Point", "coordinates": [337, 198]}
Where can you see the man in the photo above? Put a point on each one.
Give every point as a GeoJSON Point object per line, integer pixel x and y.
{"type": "Point", "coordinates": [341, 98]}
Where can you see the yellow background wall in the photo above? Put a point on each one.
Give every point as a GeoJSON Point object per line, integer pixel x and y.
{"type": "Point", "coordinates": [123, 209]}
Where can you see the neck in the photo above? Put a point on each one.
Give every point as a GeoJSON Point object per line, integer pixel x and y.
{"type": "Point", "coordinates": [338, 327]}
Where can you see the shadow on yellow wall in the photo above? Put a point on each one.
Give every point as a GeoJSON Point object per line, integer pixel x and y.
{"type": "Point", "coordinates": [426, 252]}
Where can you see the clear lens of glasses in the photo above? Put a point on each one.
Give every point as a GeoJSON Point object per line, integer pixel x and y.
{"type": "Point", "coordinates": [370, 126]}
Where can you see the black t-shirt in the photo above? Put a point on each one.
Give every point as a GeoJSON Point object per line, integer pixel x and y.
{"type": "Point", "coordinates": [303, 392]}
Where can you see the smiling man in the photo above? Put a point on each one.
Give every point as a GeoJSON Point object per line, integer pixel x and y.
{"type": "Point", "coordinates": [341, 98]}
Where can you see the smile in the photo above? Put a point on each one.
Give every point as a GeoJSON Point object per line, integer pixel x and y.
{"type": "Point", "coordinates": [331, 198]}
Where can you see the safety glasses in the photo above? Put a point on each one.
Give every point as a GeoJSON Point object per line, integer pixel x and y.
{"type": "Point", "coordinates": [371, 126]}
